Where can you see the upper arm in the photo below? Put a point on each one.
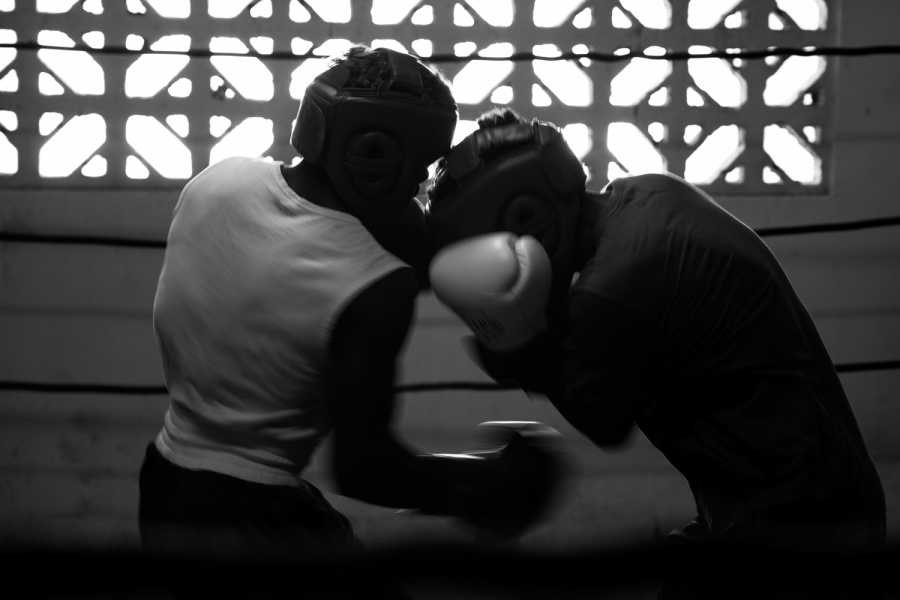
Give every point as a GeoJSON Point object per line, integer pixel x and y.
{"type": "Point", "coordinates": [367, 340]}
{"type": "Point", "coordinates": [604, 367]}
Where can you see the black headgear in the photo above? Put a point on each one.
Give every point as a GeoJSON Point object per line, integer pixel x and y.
{"type": "Point", "coordinates": [375, 143]}
{"type": "Point", "coordinates": [520, 177]}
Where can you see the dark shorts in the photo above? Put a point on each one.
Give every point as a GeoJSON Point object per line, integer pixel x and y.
{"type": "Point", "coordinates": [194, 517]}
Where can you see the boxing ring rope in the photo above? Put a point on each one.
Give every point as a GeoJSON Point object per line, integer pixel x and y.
{"type": "Point", "coordinates": [22, 237]}
{"type": "Point", "coordinates": [515, 57]}
{"type": "Point", "coordinates": [151, 390]}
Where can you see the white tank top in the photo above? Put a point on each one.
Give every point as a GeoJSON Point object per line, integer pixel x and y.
{"type": "Point", "coordinates": [252, 286]}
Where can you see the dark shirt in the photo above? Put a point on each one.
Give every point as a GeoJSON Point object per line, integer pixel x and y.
{"type": "Point", "coordinates": [683, 321]}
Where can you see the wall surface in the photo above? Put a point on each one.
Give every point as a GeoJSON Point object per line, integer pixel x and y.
{"type": "Point", "coordinates": [68, 314]}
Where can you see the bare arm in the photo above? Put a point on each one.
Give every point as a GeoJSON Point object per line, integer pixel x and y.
{"type": "Point", "coordinates": [370, 463]}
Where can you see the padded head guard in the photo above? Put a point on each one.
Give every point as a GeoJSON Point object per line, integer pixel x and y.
{"type": "Point", "coordinates": [375, 143]}
{"type": "Point", "coordinates": [520, 177]}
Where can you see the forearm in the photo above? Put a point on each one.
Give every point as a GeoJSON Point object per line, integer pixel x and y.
{"type": "Point", "coordinates": [603, 369]}
{"type": "Point", "coordinates": [535, 368]}
{"type": "Point", "coordinates": [398, 477]}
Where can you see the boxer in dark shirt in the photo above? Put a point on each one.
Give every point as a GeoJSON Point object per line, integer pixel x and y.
{"type": "Point", "coordinates": [669, 313]}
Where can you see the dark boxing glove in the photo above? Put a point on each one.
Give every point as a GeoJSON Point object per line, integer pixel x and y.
{"type": "Point", "coordinates": [506, 483]}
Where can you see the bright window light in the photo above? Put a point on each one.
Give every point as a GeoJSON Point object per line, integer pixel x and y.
{"type": "Point", "coordinates": [792, 154]}
{"type": "Point", "coordinates": [716, 154]}
{"type": "Point", "coordinates": [464, 48]}
{"type": "Point", "coordinates": [479, 78]}
{"type": "Point", "coordinates": [653, 14]}
{"type": "Point", "coordinates": [810, 15]}
{"type": "Point", "coordinates": [150, 73]}
{"type": "Point", "coordinates": [135, 7]}
{"type": "Point", "coordinates": [584, 19]}
{"type": "Point", "coordinates": [553, 13]}
{"type": "Point", "coordinates": [694, 98]}
{"type": "Point", "coordinates": [423, 48]}
{"type": "Point", "coordinates": [638, 78]}
{"type": "Point", "coordinates": [463, 129]}
{"type": "Point", "coordinates": [304, 75]}
{"type": "Point", "coordinates": [502, 95]}
{"type": "Point", "coordinates": [497, 13]}
{"type": "Point", "coordinates": [94, 39]}
{"type": "Point", "coordinates": [9, 120]}
{"type": "Point", "coordinates": [659, 98]}
{"type": "Point", "coordinates": [579, 137]}
{"type": "Point", "coordinates": [226, 9]}
{"type": "Point", "coordinates": [77, 69]}
{"type": "Point", "coordinates": [706, 14]}
{"type": "Point", "coordinates": [49, 86]}
{"type": "Point", "coordinates": [158, 146]}
{"type": "Point", "coordinates": [658, 132]}
{"type": "Point", "coordinates": [54, 6]}
{"type": "Point", "coordinates": [248, 75]}
{"type": "Point", "coordinates": [96, 167]}
{"type": "Point", "coordinates": [250, 138]}
{"type": "Point", "coordinates": [391, 12]}
{"type": "Point", "coordinates": [135, 169]}
{"type": "Point", "coordinates": [71, 145]}
{"type": "Point", "coordinates": [462, 17]}
{"type": "Point", "coordinates": [539, 96]}
{"type": "Point", "coordinates": [218, 125]}
{"type": "Point", "coordinates": [298, 13]}
{"type": "Point", "coordinates": [181, 88]}
{"type": "Point", "coordinates": [9, 156]}
{"type": "Point", "coordinates": [48, 122]}
{"type": "Point", "coordinates": [389, 44]}
{"type": "Point", "coordinates": [692, 133]}
{"type": "Point", "coordinates": [619, 19]}
{"type": "Point", "coordinates": [716, 77]}
{"type": "Point", "coordinates": [332, 11]}
{"type": "Point", "coordinates": [262, 44]}
{"type": "Point", "coordinates": [299, 46]}
{"type": "Point", "coordinates": [179, 124]}
{"type": "Point", "coordinates": [333, 47]}
{"type": "Point", "coordinates": [134, 42]}
{"type": "Point", "coordinates": [261, 10]}
{"type": "Point", "coordinates": [633, 150]}
{"type": "Point", "coordinates": [793, 77]}
{"type": "Point", "coordinates": [423, 16]}
{"type": "Point", "coordinates": [566, 80]}
{"type": "Point", "coordinates": [10, 82]}
{"type": "Point", "coordinates": [171, 9]}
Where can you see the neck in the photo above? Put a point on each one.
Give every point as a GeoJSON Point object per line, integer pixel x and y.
{"type": "Point", "coordinates": [311, 183]}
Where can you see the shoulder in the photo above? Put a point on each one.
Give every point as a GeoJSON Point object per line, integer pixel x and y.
{"type": "Point", "coordinates": [378, 318]}
{"type": "Point", "coordinates": [394, 293]}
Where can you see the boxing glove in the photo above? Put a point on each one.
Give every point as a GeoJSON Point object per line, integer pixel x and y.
{"type": "Point", "coordinates": [498, 284]}
{"type": "Point", "coordinates": [506, 482]}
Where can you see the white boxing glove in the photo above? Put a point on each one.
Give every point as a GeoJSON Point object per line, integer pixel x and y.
{"type": "Point", "coordinates": [498, 284]}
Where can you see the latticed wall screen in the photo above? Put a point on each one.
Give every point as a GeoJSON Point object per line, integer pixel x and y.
{"type": "Point", "coordinates": [155, 90]}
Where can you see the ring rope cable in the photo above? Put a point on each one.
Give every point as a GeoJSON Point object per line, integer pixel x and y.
{"type": "Point", "coordinates": [516, 56]}
{"type": "Point", "coordinates": [521, 56]}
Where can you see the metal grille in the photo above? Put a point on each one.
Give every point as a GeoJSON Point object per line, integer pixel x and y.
{"type": "Point", "coordinates": [154, 117]}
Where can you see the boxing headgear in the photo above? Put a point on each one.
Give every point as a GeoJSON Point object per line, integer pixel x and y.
{"type": "Point", "coordinates": [375, 143]}
{"type": "Point", "coordinates": [520, 177]}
